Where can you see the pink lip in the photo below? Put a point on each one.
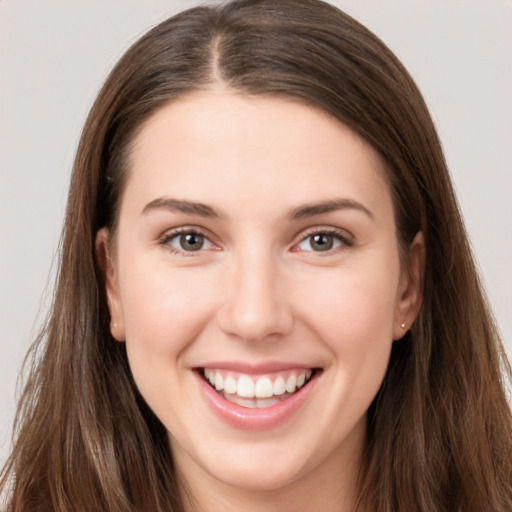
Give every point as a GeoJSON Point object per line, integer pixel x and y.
{"type": "Point", "coordinates": [254, 419]}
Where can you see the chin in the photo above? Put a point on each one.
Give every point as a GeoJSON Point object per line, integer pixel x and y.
{"type": "Point", "coordinates": [268, 477]}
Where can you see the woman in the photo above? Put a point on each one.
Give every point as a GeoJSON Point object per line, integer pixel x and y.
{"type": "Point", "coordinates": [266, 298]}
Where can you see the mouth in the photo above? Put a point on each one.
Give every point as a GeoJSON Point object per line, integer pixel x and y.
{"type": "Point", "coordinates": [257, 391]}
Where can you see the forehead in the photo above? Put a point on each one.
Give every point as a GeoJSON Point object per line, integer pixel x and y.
{"type": "Point", "coordinates": [233, 150]}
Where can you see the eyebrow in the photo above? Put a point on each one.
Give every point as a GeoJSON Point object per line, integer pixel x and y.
{"type": "Point", "coordinates": [300, 213]}
{"type": "Point", "coordinates": [178, 205]}
{"type": "Point", "coordinates": [332, 205]}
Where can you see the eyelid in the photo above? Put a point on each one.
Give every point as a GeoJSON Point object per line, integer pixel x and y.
{"type": "Point", "coordinates": [168, 235]}
{"type": "Point", "coordinates": [346, 238]}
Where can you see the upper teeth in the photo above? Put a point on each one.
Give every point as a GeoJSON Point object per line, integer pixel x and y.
{"type": "Point", "coordinates": [257, 387]}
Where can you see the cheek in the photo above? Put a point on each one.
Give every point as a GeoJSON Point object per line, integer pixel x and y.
{"type": "Point", "coordinates": [164, 311]}
{"type": "Point", "coordinates": [355, 303]}
{"type": "Point", "coordinates": [352, 311]}
{"type": "Point", "coordinates": [352, 315]}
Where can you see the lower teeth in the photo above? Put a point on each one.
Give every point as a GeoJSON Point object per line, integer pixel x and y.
{"type": "Point", "coordinates": [254, 403]}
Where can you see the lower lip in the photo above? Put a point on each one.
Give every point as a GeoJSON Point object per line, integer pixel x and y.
{"type": "Point", "coordinates": [254, 419]}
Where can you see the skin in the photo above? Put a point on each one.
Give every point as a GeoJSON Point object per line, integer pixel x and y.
{"type": "Point", "coordinates": [258, 292]}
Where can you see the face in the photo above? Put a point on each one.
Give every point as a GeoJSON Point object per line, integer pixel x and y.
{"type": "Point", "coordinates": [255, 279]}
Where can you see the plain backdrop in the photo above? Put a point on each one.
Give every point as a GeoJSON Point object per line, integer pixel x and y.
{"type": "Point", "coordinates": [54, 55]}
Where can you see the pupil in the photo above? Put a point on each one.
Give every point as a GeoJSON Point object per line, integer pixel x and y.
{"type": "Point", "coordinates": [322, 242]}
{"type": "Point", "coordinates": [191, 242]}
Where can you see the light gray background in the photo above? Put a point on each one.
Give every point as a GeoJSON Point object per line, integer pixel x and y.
{"type": "Point", "coordinates": [54, 56]}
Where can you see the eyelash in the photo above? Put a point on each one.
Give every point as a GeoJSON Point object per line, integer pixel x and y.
{"type": "Point", "coordinates": [346, 240]}
{"type": "Point", "coordinates": [169, 236]}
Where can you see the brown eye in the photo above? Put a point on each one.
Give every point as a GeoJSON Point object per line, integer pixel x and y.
{"type": "Point", "coordinates": [322, 242]}
{"type": "Point", "coordinates": [189, 241]}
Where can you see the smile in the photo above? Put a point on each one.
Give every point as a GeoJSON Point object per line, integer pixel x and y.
{"type": "Point", "coordinates": [257, 391]}
{"type": "Point", "coordinates": [256, 400]}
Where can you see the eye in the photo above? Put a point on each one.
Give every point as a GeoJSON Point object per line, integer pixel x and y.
{"type": "Point", "coordinates": [323, 241]}
{"type": "Point", "coordinates": [187, 241]}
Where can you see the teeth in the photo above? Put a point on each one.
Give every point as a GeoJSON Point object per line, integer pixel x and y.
{"type": "Point", "coordinates": [291, 383]}
{"type": "Point", "coordinates": [267, 402]}
{"type": "Point", "coordinates": [244, 402]}
{"type": "Point", "coordinates": [219, 382]}
{"type": "Point", "coordinates": [230, 385]}
{"type": "Point", "coordinates": [245, 387]}
{"type": "Point", "coordinates": [252, 403]}
{"type": "Point", "coordinates": [262, 388]}
{"type": "Point", "coordinates": [279, 386]}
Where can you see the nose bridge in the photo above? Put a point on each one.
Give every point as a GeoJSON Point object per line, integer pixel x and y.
{"type": "Point", "coordinates": [255, 306]}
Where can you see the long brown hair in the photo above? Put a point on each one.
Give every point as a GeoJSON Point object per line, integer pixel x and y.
{"type": "Point", "coordinates": [439, 430]}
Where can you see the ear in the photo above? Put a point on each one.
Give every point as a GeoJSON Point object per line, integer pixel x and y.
{"type": "Point", "coordinates": [109, 272]}
{"type": "Point", "coordinates": [410, 291]}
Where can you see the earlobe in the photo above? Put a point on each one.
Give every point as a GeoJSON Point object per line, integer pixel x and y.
{"type": "Point", "coordinates": [108, 270]}
{"type": "Point", "coordinates": [411, 288]}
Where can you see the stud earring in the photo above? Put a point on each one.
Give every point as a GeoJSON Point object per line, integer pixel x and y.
{"type": "Point", "coordinates": [402, 325]}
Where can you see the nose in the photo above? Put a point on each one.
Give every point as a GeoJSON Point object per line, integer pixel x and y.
{"type": "Point", "coordinates": [255, 306]}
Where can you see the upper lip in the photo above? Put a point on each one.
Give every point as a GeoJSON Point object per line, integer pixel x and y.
{"type": "Point", "coordinates": [255, 368]}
